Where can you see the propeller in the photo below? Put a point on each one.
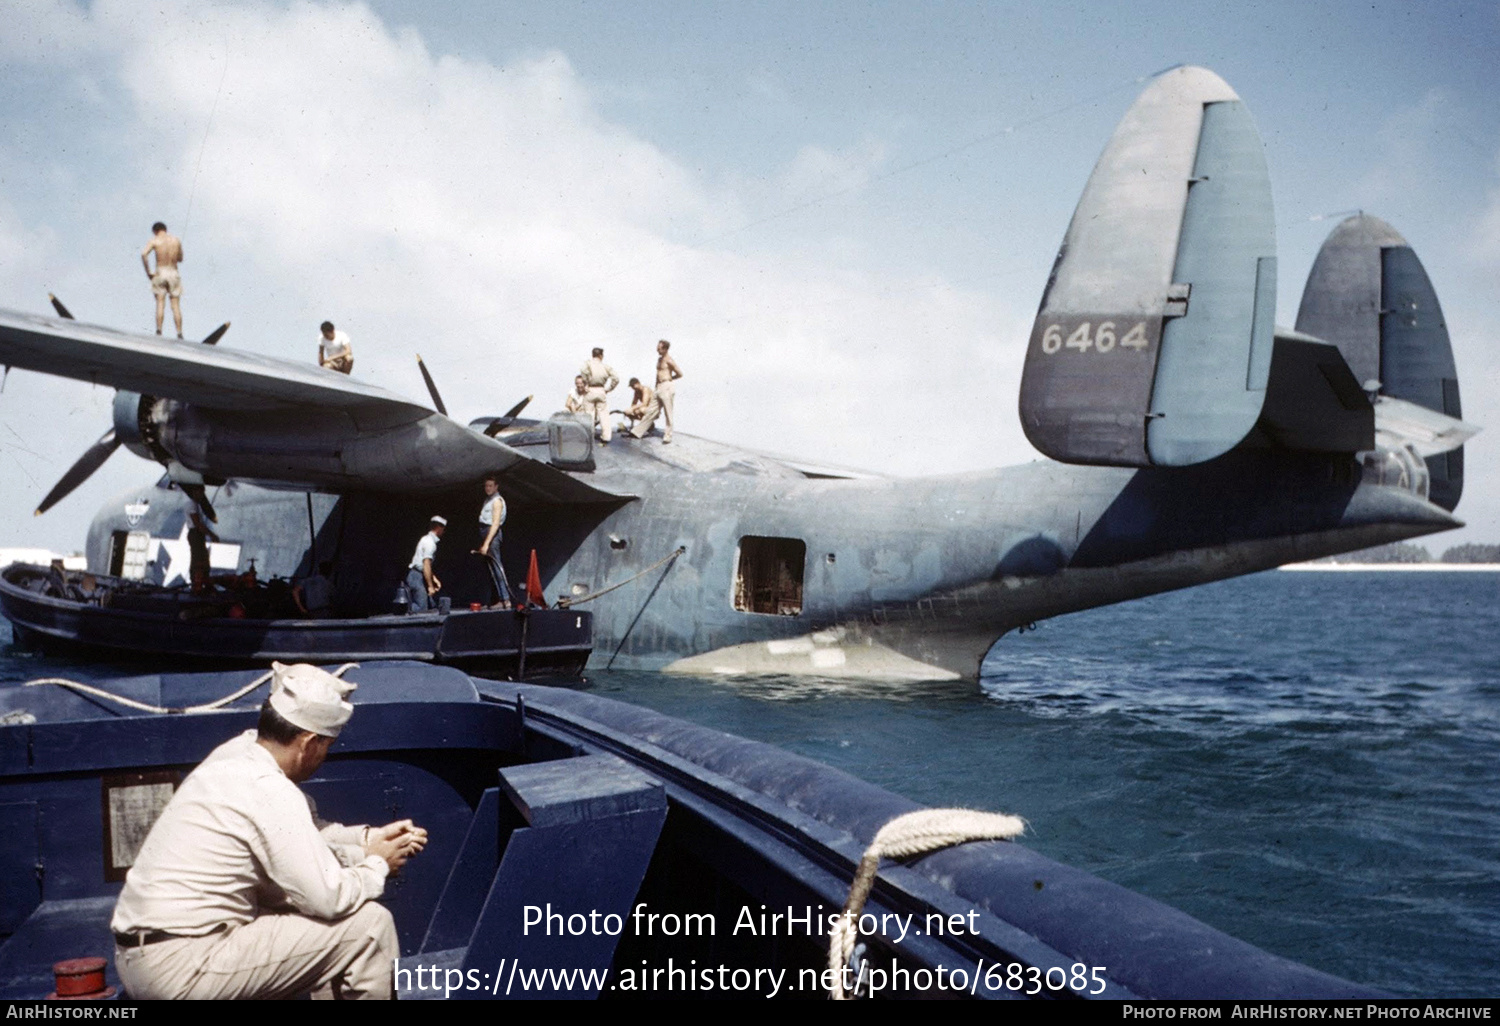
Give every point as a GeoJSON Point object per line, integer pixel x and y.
{"type": "Point", "coordinates": [437, 400]}
{"type": "Point", "coordinates": [505, 420]}
{"type": "Point", "coordinates": [198, 494]}
{"type": "Point", "coordinates": [104, 448]}
{"type": "Point", "coordinates": [79, 472]}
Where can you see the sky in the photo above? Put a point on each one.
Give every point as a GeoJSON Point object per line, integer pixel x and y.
{"type": "Point", "coordinates": [841, 214]}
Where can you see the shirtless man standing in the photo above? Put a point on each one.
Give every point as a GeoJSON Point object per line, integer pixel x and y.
{"type": "Point", "coordinates": [165, 281]}
{"type": "Point", "coordinates": [666, 386]}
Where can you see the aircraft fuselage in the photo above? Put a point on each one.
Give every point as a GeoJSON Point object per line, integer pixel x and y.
{"type": "Point", "coordinates": [780, 573]}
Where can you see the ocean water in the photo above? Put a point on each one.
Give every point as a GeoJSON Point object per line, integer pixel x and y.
{"type": "Point", "coordinates": [1309, 762]}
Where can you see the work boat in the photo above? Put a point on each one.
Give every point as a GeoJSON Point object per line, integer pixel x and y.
{"type": "Point", "coordinates": [583, 847]}
{"type": "Point", "coordinates": [76, 613]}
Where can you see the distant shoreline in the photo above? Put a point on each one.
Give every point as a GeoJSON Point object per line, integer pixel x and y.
{"type": "Point", "coordinates": [1468, 568]}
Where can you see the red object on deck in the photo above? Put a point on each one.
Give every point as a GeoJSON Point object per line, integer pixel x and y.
{"type": "Point", "coordinates": [534, 584]}
{"type": "Point", "coordinates": [475, 607]}
{"type": "Point", "coordinates": [79, 979]}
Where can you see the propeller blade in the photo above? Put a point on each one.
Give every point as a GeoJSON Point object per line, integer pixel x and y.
{"type": "Point", "coordinates": [197, 493]}
{"type": "Point", "coordinates": [216, 334]}
{"type": "Point", "coordinates": [505, 420]}
{"type": "Point", "coordinates": [79, 472]}
{"type": "Point", "coordinates": [437, 400]}
{"type": "Point", "coordinates": [57, 305]}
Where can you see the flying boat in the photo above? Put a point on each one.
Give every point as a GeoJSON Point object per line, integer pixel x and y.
{"type": "Point", "coordinates": [1187, 438]}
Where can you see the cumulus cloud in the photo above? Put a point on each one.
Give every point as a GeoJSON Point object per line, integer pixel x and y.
{"type": "Point", "coordinates": [489, 216]}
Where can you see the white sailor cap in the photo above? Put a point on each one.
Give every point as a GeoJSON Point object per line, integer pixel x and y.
{"type": "Point", "coordinates": [311, 698]}
{"type": "Point", "coordinates": [438, 520]}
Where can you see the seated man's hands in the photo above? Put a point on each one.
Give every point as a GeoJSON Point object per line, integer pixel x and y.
{"type": "Point", "coordinates": [396, 842]}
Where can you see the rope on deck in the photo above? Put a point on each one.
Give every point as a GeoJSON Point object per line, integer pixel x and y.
{"type": "Point", "coordinates": [131, 703]}
{"type": "Point", "coordinates": [914, 833]}
{"type": "Point", "coordinates": [567, 603]}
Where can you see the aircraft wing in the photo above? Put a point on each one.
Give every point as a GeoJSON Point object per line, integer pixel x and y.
{"type": "Point", "coordinates": [328, 432]}
{"type": "Point", "coordinates": [212, 376]}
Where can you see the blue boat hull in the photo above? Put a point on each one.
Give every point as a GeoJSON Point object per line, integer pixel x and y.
{"type": "Point", "coordinates": [545, 802]}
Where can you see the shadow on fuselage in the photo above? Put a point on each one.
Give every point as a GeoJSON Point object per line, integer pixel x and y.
{"type": "Point", "coordinates": [1243, 496]}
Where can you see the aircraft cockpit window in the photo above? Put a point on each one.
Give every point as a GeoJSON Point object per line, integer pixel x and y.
{"type": "Point", "coordinates": [768, 575]}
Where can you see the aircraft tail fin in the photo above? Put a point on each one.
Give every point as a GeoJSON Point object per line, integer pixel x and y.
{"type": "Point", "coordinates": [1368, 295]}
{"type": "Point", "coordinates": [1153, 342]}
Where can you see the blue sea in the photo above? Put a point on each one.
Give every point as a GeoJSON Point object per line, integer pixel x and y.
{"type": "Point", "coordinates": [1307, 761]}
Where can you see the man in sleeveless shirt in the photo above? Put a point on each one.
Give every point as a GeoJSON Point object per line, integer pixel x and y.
{"type": "Point", "coordinates": [491, 517]}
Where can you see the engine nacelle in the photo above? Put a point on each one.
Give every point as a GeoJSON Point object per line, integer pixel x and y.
{"type": "Point", "coordinates": [134, 428]}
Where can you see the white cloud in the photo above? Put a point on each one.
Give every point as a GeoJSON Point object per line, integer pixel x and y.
{"type": "Point", "coordinates": [817, 171]}
{"type": "Point", "coordinates": [491, 218]}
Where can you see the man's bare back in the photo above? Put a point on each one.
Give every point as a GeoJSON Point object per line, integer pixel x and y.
{"type": "Point", "coordinates": [168, 250]}
{"type": "Point", "coordinates": [165, 280]}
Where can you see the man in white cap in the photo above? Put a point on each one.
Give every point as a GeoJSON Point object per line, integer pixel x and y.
{"type": "Point", "coordinates": [422, 585]}
{"type": "Point", "coordinates": [237, 894]}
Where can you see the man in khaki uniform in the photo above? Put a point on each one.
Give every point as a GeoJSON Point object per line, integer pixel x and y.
{"type": "Point", "coordinates": [601, 380]}
{"type": "Point", "coordinates": [240, 892]}
{"type": "Point", "coordinates": [165, 279]}
{"type": "Point", "coordinates": [666, 386]}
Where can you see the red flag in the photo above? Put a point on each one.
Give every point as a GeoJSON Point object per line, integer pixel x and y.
{"type": "Point", "coordinates": [534, 584]}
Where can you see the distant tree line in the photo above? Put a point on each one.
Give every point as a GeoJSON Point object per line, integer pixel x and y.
{"type": "Point", "coordinates": [1472, 553]}
{"type": "Point", "coordinates": [1406, 552]}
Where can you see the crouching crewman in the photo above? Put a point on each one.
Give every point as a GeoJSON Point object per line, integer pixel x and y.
{"type": "Point", "coordinates": [239, 892]}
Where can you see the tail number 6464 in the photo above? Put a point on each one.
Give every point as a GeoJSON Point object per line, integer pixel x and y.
{"type": "Point", "coordinates": [1085, 337]}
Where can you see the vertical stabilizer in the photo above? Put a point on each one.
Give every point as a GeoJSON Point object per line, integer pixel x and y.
{"type": "Point", "coordinates": [1369, 295]}
{"type": "Point", "coordinates": [1153, 342]}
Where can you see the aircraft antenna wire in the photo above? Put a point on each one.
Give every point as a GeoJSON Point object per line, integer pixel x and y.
{"type": "Point", "coordinates": [886, 176]}
{"type": "Point", "coordinates": [193, 190]}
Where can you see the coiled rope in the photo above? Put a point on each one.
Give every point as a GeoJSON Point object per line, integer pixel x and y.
{"type": "Point", "coordinates": [914, 833]}
{"type": "Point", "coordinates": [565, 603]}
{"type": "Point", "coordinates": [130, 703]}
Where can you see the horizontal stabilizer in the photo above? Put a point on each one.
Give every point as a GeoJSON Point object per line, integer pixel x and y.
{"type": "Point", "coordinates": [1153, 342]}
{"type": "Point", "coordinates": [1399, 423]}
